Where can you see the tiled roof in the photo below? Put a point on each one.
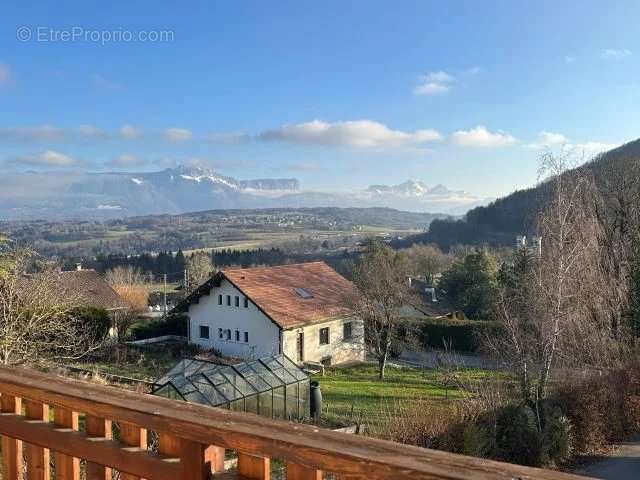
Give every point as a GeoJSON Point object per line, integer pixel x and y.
{"type": "Point", "coordinates": [290, 295]}
{"type": "Point", "coordinates": [91, 288]}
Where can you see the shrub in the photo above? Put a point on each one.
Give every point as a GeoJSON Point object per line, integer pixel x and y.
{"type": "Point", "coordinates": [461, 335]}
{"type": "Point", "coordinates": [476, 440]}
{"type": "Point", "coordinates": [175, 324]}
{"type": "Point", "coordinates": [517, 440]}
{"type": "Point", "coordinates": [556, 438]}
{"type": "Point", "coordinates": [94, 319]}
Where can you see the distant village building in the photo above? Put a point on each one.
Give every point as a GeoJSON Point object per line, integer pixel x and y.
{"type": "Point", "coordinates": [533, 246]}
{"type": "Point", "coordinates": [302, 310]}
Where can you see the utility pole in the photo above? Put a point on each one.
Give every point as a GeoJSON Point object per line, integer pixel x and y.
{"type": "Point", "coordinates": [165, 293]}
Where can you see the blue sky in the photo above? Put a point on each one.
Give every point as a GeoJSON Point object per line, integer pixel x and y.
{"type": "Point", "coordinates": [338, 94]}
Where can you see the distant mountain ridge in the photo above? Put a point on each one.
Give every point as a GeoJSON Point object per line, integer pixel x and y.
{"type": "Point", "coordinates": [503, 219]}
{"type": "Point", "coordinates": [183, 189]}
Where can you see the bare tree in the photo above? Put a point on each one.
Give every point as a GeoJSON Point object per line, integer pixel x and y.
{"type": "Point", "coordinates": [131, 285]}
{"type": "Point", "coordinates": [427, 260]}
{"type": "Point", "coordinates": [38, 321]}
{"type": "Point", "coordinates": [381, 276]}
{"type": "Point", "coordinates": [199, 268]}
{"type": "Point", "coordinates": [553, 308]}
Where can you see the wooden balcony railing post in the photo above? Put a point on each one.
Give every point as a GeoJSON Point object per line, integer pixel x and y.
{"type": "Point", "coordinates": [67, 468]}
{"type": "Point", "coordinates": [192, 461]}
{"type": "Point", "coordinates": [98, 428]}
{"type": "Point", "coordinates": [11, 448]}
{"type": "Point", "coordinates": [258, 468]}
{"type": "Point", "coordinates": [299, 472]}
{"type": "Point", "coordinates": [133, 436]}
{"type": "Point", "coordinates": [38, 467]}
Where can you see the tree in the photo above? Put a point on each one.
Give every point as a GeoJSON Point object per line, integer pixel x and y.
{"type": "Point", "coordinates": [553, 308]}
{"type": "Point", "coordinates": [199, 267]}
{"type": "Point", "coordinates": [471, 283]}
{"type": "Point", "coordinates": [37, 320]}
{"type": "Point", "coordinates": [381, 277]}
{"type": "Point", "coordinates": [427, 260]}
{"type": "Point", "coordinates": [129, 282]}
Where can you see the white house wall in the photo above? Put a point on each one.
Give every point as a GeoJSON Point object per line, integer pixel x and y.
{"type": "Point", "coordinates": [339, 350]}
{"type": "Point", "coordinates": [264, 335]}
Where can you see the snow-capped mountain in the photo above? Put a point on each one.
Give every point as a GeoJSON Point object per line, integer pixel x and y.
{"type": "Point", "coordinates": [183, 189]}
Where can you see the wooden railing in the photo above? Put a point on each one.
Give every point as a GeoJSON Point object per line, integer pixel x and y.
{"type": "Point", "coordinates": [110, 428]}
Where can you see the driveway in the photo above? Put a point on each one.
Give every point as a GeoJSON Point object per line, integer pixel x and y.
{"type": "Point", "coordinates": [439, 358]}
{"type": "Point", "coordinates": [624, 464]}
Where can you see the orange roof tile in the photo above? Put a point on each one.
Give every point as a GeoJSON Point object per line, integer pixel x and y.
{"type": "Point", "coordinates": [273, 290]}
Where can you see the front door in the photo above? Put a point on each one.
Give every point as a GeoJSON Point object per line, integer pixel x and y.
{"type": "Point", "coordinates": [300, 347]}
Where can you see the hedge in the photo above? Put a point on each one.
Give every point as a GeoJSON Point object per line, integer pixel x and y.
{"type": "Point", "coordinates": [460, 335]}
{"type": "Point", "coordinates": [172, 325]}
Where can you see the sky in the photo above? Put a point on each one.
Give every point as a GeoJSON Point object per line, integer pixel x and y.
{"type": "Point", "coordinates": [338, 94]}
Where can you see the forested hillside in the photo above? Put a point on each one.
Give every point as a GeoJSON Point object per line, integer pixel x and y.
{"type": "Point", "coordinates": [501, 221]}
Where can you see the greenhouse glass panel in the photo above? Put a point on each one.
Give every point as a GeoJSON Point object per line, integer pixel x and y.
{"type": "Point", "coordinates": [292, 402]}
{"type": "Point", "coordinates": [272, 386]}
{"type": "Point", "coordinates": [278, 403]}
{"type": "Point", "coordinates": [265, 404]}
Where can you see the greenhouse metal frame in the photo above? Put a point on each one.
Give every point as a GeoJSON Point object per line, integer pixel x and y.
{"type": "Point", "coordinates": [272, 386]}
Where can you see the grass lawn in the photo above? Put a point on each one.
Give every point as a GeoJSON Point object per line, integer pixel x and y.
{"type": "Point", "coordinates": [147, 364]}
{"type": "Point", "coordinates": [356, 392]}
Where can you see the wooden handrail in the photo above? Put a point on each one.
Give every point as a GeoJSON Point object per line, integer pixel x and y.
{"type": "Point", "coordinates": [304, 447]}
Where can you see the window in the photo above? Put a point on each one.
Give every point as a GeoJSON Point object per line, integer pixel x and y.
{"type": "Point", "coordinates": [237, 301]}
{"type": "Point", "coordinates": [228, 332]}
{"type": "Point", "coordinates": [246, 302]}
{"type": "Point", "coordinates": [204, 331]}
{"type": "Point", "coordinates": [347, 330]}
{"type": "Point", "coordinates": [228, 300]}
{"type": "Point", "coordinates": [246, 337]}
{"type": "Point", "coordinates": [219, 299]}
{"type": "Point", "coordinates": [237, 334]}
{"type": "Point", "coordinates": [220, 334]}
{"type": "Point", "coordinates": [324, 336]}
{"type": "Point", "coordinates": [303, 293]}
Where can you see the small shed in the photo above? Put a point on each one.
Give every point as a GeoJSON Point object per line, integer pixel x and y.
{"type": "Point", "coordinates": [273, 386]}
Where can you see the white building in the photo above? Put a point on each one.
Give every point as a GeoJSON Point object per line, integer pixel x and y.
{"type": "Point", "coordinates": [301, 310]}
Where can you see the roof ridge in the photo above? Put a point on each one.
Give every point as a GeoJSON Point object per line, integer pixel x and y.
{"type": "Point", "coordinates": [288, 265]}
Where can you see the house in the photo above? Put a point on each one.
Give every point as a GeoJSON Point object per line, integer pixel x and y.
{"type": "Point", "coordinates": [90, 289]}
{"type": "Point", "coordinates": [430, 301]}
{"type": "Point", "coordinates": [302, 310]}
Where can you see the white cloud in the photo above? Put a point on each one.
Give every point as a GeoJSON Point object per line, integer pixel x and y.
{"type": "Point", "coordinates": [48, 158]}
{"type": "Point", "coordinates": [229, 138]}
{"type": "Point", "coordinates": [434, 83]}
{"type": "Point", "coordinates": [6, 76]}
{"type": "Point", "coordinates": [615, 53]}
{"type": "Point", "coordinates": [547, 140]}
{"type": "Point", "coordinates": [358, 133]}
{"type": "Point", "coordinates": [130, 132]}
{"type": "Point", "coordinates": [591, 149]}
{"type": "Point", "coordinates": [304, 167]}
{"type": "Point", "coordinates": [44, 133]}
{"type": "Point", "coordinates": [91, 131]}
{"type": "Point", "coordinates": [569, 59]}
{"type": "Point", "coordinates": [481, 137]}
{"type": "Point", "coordinates": [125, 161]}
{"type": "Point", "coordinates": [177, 134]}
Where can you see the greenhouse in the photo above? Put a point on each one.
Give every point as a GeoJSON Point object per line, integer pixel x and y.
{"type": "Point", "coordinates": [273, 386]}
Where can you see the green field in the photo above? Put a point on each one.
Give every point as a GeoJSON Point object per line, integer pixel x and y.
{"type": "Point", "coordinates": [357, 393]}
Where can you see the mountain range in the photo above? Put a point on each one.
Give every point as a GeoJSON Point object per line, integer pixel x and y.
{"type": "Point", "coordinates": [59, 196]}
